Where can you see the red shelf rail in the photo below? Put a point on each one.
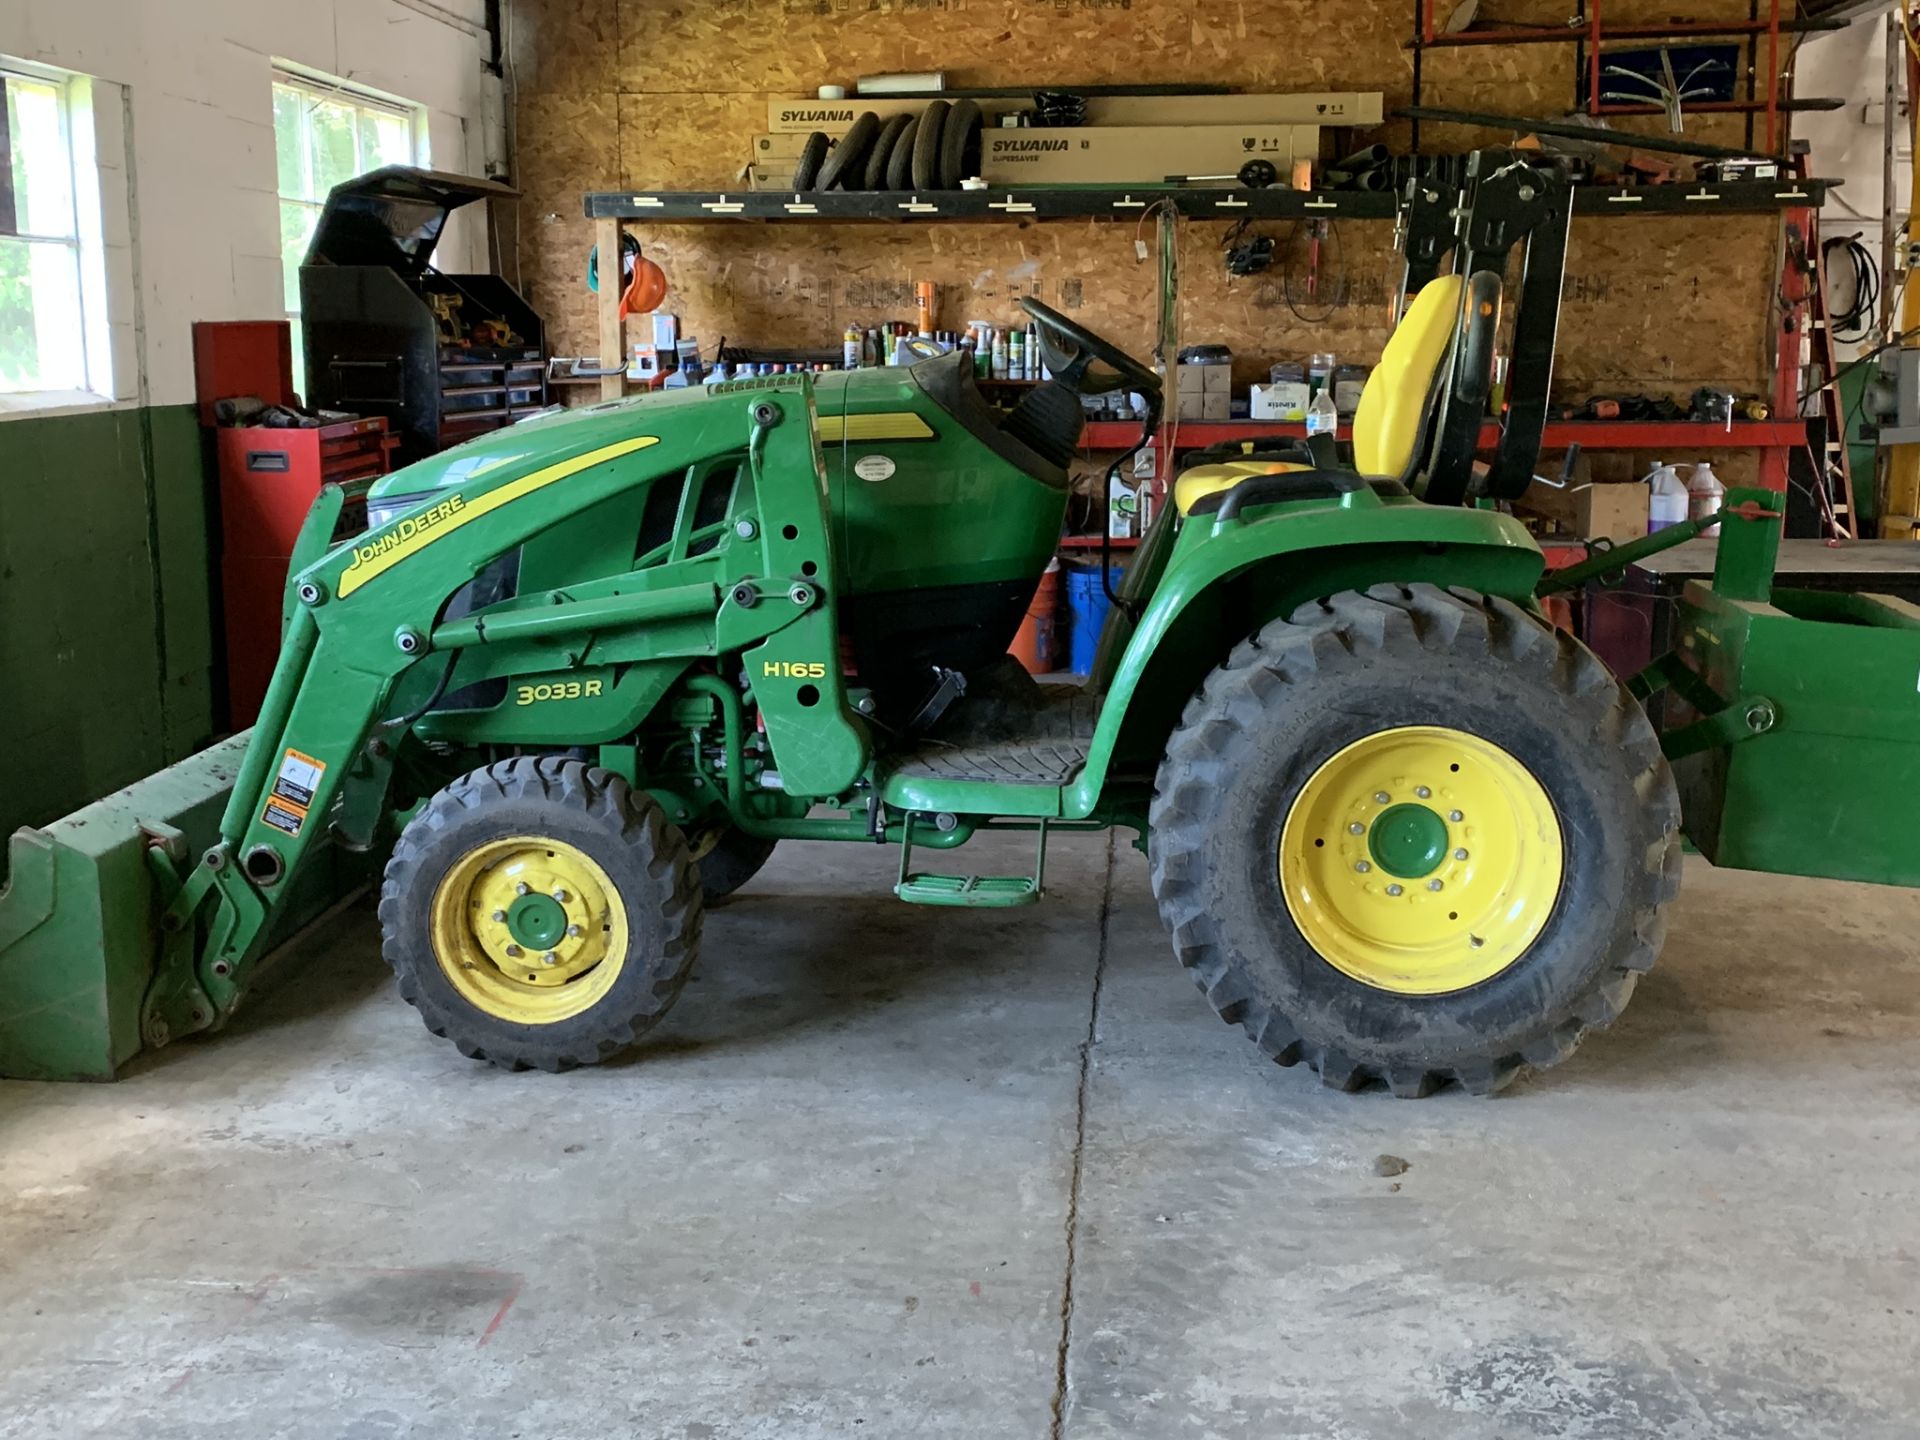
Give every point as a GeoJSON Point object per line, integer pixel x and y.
{"type": "Point", "coordinates": [1679, 436]}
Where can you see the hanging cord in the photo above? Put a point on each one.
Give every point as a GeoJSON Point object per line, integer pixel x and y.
{"type": "Point", "coordinates": [1859, 320]}
{"type": "Point", "coordinates": [1329, 269]}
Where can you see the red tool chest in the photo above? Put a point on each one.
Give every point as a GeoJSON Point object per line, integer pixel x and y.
{"type": "Point", "coordinates": [269, 478]}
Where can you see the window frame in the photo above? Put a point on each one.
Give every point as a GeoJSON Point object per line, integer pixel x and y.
{"type": "Point", "coordinates": [316, 87]}
{"type": "Point", "coordinates": [86, 242]}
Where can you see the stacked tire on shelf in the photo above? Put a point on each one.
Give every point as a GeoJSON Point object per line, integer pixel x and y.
{"type": "Point", "coordinates": [934, 150]}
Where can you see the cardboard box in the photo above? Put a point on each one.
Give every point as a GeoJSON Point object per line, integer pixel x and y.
{"type": "Point", "coordinates": [1363, 107]}
{"type": "Point", "coordinates": [1286, 400]}
{"type": "Point", "coordinates": [802, 114]}
{"type": "Point", "coordinates": [780, 147]}
{"type": "Point", "coordinates": [1188, 380]}
{"type": "Point", "coordinates": [1600, 501]}
{"type": "Point", "coordinates": [1190, 405]}
{"type": "Point", "coordinates": [774, 175]}
{"type": "Point", "coordinates": [1216, 404]}
{"type": "Point", "coordinates": [836, 117]}
{"type": "Point", "coordinates": [1136, 155]}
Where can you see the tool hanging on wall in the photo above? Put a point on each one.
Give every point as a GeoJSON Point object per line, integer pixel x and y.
{"type": "Point", "coordinates": [643, 282]}
{"type": "Point", "coordinates": [1669, 91]}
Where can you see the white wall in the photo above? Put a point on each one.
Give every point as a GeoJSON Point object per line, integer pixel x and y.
{"type": "Point", "coordinates": [201, 239]}
{"type": "Point", "coordinates": [1848, 144]}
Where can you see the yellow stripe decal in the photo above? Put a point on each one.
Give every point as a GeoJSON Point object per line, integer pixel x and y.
{"type": "Point", "coordinates": [413, 534]}
{"type": "Point", "coordinates": [894, 425]}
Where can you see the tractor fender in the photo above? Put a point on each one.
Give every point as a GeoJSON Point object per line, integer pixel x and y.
{"type": "Point", "coordinates": [1222, 582]}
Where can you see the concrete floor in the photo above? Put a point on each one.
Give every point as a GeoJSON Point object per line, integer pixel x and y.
{"type": "Point", "coordinates": [860, 1184]}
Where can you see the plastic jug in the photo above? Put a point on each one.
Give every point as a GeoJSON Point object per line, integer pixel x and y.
{"type": "Point", "coordinates": [1667, 504]}
{"type": "Point", "coordinates": [1705, 495]}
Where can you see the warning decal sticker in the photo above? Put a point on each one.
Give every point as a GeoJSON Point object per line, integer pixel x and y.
{"type": "Point", "coordinates": [293, 791]}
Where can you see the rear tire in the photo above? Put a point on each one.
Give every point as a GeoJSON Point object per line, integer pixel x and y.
{"type": "Point", "coordinates": [1282, 712]}
{"type": "Point", "coordinates": [539, 912]}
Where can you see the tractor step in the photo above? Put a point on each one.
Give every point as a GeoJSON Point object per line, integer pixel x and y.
{"type": "Point", "coordinates": [980, 892]}
{"type": "Point", "coordinates": [986, 892]}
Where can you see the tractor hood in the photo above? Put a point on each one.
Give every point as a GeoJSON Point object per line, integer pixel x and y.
{"type": "Point", "coordinates": [542, 439]}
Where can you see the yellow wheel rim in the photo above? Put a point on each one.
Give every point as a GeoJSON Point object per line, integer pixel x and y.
{"type": "Point", "coordinates": [1421, 860]}
{"type": "Point", "coordinates": [529, 930]}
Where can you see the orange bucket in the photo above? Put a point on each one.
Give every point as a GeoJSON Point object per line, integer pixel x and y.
{"type": "Point", "coordinates": [1036, 645]}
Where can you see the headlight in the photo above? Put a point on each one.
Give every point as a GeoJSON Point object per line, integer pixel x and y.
{"type": "Point", "coordinates": [391, 507]}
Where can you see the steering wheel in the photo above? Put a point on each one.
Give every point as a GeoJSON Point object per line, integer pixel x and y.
{"type": "Point", "coordinates": [1070, 366]}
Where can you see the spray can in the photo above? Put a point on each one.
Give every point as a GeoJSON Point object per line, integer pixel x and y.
{"type": "Point", "coordinates": [850, 348]}
{"type": "Point", "coordinates": [1036, 366]}
{"type": "Point", "coordinates": [923, 301]}
{"type": "Point", "coordinates": [1017, 355]}
{"type": "Point", "coordinates": [999, 355]}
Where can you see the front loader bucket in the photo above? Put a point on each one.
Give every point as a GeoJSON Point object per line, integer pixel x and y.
{"type": "Point", "coordinates": [79, 918]}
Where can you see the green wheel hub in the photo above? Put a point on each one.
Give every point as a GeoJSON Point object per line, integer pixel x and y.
{"type": "Point", "coordinates": [537, 921]}
{"type": "Point", "coordinates": [1408, 841]}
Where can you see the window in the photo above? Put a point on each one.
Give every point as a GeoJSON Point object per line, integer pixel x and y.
{"type": "Point", "coordinates": [325, 133]}
{"type": "Point", "coordinates": [52, 311]}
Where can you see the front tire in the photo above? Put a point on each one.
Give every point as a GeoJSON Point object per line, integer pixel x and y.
{"type": "Point", "coordinates": [540, 912]}
{"type": "Point", "coordinates": [1502, 899]}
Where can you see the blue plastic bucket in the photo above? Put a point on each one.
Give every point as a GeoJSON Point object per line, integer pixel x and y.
{"type": "Point", "coordinates": [1087, 606]}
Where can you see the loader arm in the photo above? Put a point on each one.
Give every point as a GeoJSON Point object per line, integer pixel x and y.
{"type": "Point", "coordinates": [367, 649]}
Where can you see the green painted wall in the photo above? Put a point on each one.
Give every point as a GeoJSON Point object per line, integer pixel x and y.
{"type": "Point", "coordinates": [106, 607]}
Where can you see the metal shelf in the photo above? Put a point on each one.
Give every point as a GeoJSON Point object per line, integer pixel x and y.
{"type": "Point", "coordinates": [832, 206]}
{"type": "Point", "coordinates": [1677, 30]}
{"type": "Point", "coordinates": [1727, 107]}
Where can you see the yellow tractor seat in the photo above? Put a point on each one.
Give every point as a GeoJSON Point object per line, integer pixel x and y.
{"type": "Point", "coordinates": [1203, 480]}
{"type": "Point", "coordinates": [1393, 408]}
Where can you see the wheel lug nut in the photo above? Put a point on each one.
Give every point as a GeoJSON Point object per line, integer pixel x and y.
{"type": "Point", "coordinates": [522, 888]}
{"type": "Point", "coordinates": [1356, 828]}
{"type": "Point", "coordinates": [1395, 890]}
{"type": "Point", "coordinates": [1363, 867]}
{"type": "Point", "coordinates": [1434, 885]}
{"type": "Point", "coordinates": [515, 951]}
{"type": "Point", "coordinates": [1459, 854]}
{"type": "Point", "coordinates": [1455, 816]}
{"type": "Point", "coordinates": [561, 896]}
{"type": "Point", "coordinates": [1381, 796]}
{"type": "Point", "coordinates": [1423, 792]}
{"type": "Point", "coordinates": [499, 917]}
{"type": "Point", "coordinates": [550, 958]}
{"type": "Point", "coordinates": [573, 932]}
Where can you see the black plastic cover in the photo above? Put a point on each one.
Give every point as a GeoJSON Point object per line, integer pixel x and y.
{"type": "Point", "coordinates": [393, 217]}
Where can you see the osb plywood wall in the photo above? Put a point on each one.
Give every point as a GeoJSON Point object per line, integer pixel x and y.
{"type": "Point", "coordinates": [666, 93]}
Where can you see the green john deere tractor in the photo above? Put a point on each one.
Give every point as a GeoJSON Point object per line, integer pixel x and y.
{"type": "Point", "coordinates": [584, 674]}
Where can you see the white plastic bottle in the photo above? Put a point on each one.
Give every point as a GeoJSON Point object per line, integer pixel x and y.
{"type": "Point", "coordinates": [1705, 495]}
{"type": "Point", "coordinates": [1667, 498]}
{"type": "Point", "coordinates": [1323, 416]}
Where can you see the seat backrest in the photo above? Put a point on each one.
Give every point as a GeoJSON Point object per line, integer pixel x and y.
{"type": "Point", "coordinates": [1403, 388]}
